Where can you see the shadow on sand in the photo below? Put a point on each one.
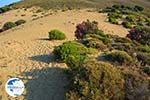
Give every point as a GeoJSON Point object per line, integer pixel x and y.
{"type": "Point", "coordinates": [43, 58]}
{"type": "Point", "coordinates": [47, 83]}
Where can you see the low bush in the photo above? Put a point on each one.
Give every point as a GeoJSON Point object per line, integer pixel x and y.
{"type": "Point", "coordinates": [113, 20]}
{"type": "Point", "coordinates": [144, 48]}
{"type": "Point", "coordinates": [114, 15]}
{"type": "Point", "coordinates": [85, 27]}
{"type": "Point", "coordinates": [71, 51]}
{"type": "Point", "coordinates": [56, 35]}
{"type": "Point", "coordinates": [104, 39]}
{"type": "Point", "coordinates": [19, 22]}
{"type": "Point", "coordinates": [95, 81]}
{"type": "Point", "coordinates": [138, 8]}
{"type": "Point", "coordinates": [127, 24]}
{"type": "Point", "coordinates": [136, 86]}
{"type": "Point", "coordinates": [147, 70]}
{"type": "Point", "coordinates": [8, 25]}
{"type": "Point", "coordinates": [144, 58]}
{"type": "Point", "coordinates": [140, 34]}
{"type": "Point", "coordinates": [119, 57]}
{"type": "Point", "coordinates": [95, 43]}
{"type": "Point", "coordinates": [130, 18]}
{"type": "Point", "coordinates": [4, 9]}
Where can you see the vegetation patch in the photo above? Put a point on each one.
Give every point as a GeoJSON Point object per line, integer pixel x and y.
{"type": "Point", "coordinates": [8, 25]}
{"type": "Point", "coordinates": [119, 57]}
{"type": "Point", "coordinates": [19, 22]}
{"type": "Point", "coordinates": [94, 80]}
{"type": "Point", "coordinates": [71, 51]}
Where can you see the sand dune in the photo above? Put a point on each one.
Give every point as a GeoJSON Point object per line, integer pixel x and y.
{"type": "Point", "coordinates": [25, 52]}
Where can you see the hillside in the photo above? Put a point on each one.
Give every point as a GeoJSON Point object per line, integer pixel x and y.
{"type": "Point", "coordinates": [80, 3]}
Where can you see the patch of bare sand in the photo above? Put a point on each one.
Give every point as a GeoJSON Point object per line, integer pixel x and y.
{"type": "Point", "coordinates": [25, 52]}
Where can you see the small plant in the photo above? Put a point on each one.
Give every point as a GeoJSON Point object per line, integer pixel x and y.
{"type": "Point", "coordinates": [8, 25]}
{"type": "Point", "coordinates": [85, 28]}
{"type": "Point", "coordinates": [94, 80]}
{"type": "Point", "coordinates": [119, 57]}
{"type": "Point", "coordinates": [127, 24]}
{"type": "Point", "coordinates": [19, 22]}
{"type": "Point", "coordinates": [147, 70]}
{"type": "Point", "coordinates": [113, 20]}
{"type": "Point", "coordinates": [56, 35]}
{"type": "Point", "coordinates": [144, 58]}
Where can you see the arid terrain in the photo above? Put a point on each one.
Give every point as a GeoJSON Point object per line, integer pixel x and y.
{"type": "Point", "coordinates": [26, 52]}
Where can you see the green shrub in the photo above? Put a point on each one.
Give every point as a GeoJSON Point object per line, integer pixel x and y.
{"type": "Point", "coordinates": [19, 22]}
{"type": "Point", "coordinates": [113, 20]}
{"type": "Point", "coordinates": [95, 81]}
{"type": "Point", "coordinates": [69, 51]}
{"type": "Point", "coordinates": [119, 57]}
{"type": "Point", "coordinates": [144, 48]}
{"type": "Point", "coordinates": [115, 15]}
{"type": "Point", "coordinates": [56, 35]}
{"type": "Point", "coordinates": [127, 24]}
{"type": "Point", "coordinates": [131, 18]}
{"type": "Point", "coordinates": [8, 25]}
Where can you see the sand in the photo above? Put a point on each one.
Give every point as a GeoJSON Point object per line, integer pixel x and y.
{"type": "Point", "coordinates": [26, 53]}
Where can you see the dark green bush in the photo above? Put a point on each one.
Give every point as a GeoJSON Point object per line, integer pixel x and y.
{"type": "Point", "coordinates": [147, 70]}
{"type": "Point", "coordinates": [119, 57]}
{"type": "Point", "coordinates": [71, 50]}
{"type": "Point", "coordinates": [8, 25]}
{"type": "Point", "coordinates": [4, 9]}
{"type": "Point", "coordinates": [95, 81]}
{"type": "Point", "coordinates": [131, 18]}
{"type": "Point", "coordinates": [138, 8]}
{"type": "Point", "coordinates": [113, 20]}
{"type": "Point", "coordinates": [19, 22]}
{"type": "Point", "coordinates": [56, 35]}
{"type": "Point", "coordinates": [127, 24]}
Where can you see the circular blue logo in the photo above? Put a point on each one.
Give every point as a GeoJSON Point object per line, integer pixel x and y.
{"type": "Point", "coordinates": [14, 87]}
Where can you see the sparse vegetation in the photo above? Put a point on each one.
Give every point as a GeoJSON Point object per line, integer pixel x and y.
{"type": "Point", "coordinates": [140, 34]}
{"type": "Point", "coordinates": [56, 35]}
{"type": "Point", "coordinates": [127, 24]}
{"type": "Point", "coordinates": [19, 22]}
{"type": "Point", "coordinates": [8, 25]}
{"type": "Point", "coordinates": [95, 81]}
{"type": "Point", "coordinates": [119, 57]}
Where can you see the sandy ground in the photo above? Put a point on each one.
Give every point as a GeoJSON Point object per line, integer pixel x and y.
{"type": "Point", "coordinates": [25, 52]}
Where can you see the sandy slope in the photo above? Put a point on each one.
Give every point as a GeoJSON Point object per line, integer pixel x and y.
{"type": "Point", "coordinates": [25, 52]}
